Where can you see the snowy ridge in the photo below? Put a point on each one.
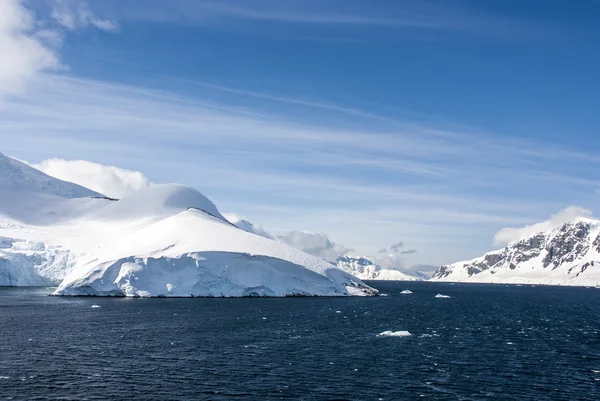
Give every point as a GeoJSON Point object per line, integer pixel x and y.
{"type": "Point", "coordinates": [568, 255]}
{"type": "Point", "coordinates": [164, 240]}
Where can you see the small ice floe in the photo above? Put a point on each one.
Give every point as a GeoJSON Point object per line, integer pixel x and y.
{"type": "Point", "coordinates": [406, 292]}
{"type": "Point", "coordinates": [442, 296]}
{"type": "Point", "coordinates": [389, 333]}
{"type": "Point", "coordinates": [509, 343]}
{"type": "Point", "coordinates": [96, 306]}
{"type": "Point", "coordinates": [264, 318]}
{"type": "Point", "coordinates": [338, 311]}
{"type": "Point", "coordinates": [429, 336]}
{"type": "Point", "coordinates": [383, 295]}
{"type": "Point", "coordinates": [4, 377]}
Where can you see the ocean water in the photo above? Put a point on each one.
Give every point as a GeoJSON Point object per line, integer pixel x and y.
{"type": "Point", "coordinates": [484, 342]}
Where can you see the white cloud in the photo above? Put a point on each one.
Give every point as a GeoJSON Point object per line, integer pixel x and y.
{"type": "Point", "coordinates": [26, 49]}
{"type": "Point", "coordinates": [111, 181]}
{"type": "Point", "coordinates": [394, 257]}
{"type": "Point", "coordinates": [77, 14]}
{"type": "Point", "coordinates": [316, 244]}
{"type": "Point", "coordinates": [511, 234]}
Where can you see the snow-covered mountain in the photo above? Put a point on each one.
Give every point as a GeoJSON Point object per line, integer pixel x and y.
{"type": "Point", "coordinates": [366, 269]}
{"type": "Point", "coordinates": [568, 255]}
{"type": "Point", "coordinates": [164, 240]}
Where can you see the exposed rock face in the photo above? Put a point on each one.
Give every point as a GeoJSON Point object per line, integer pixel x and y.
{"type": "Point", "coordinates": [568, 255]}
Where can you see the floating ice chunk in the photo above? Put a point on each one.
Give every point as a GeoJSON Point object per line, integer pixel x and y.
{"type": "Point", "coordinates": [96, 306]}
{"type": "Point", "coordinates": [389, 333]}
{"type": "Point", "coordinates": [442, 296]}
{"type": "Point", "coordinates": [383, 295]}
{"type": "Point", "coordinates": [406, 292]}
{"type": "Point", "coordinates": [428, 336]}
{"type": "Point", "coordinates": [338, 311]}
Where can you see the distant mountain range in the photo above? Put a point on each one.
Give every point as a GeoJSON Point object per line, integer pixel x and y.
{"type": "Point", "coordinates": [365, 269]}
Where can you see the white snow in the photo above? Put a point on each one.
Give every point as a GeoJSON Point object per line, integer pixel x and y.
{"type": "Point", "coordinates": [406, 292]}
{"type": "Point", "coordinates": [164, 240]}
{"type": "Point", "coordinates": [442, 296]}
{"type": "Point", "coordinates": [390, 333]}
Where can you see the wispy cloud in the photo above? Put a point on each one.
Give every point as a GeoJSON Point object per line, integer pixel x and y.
{"type": "Point", "coordinates": [409, 15]}
{"type": "Point", "coordinates": [307, 12]}
{"type": "Point", "coordinates": [76, 14]}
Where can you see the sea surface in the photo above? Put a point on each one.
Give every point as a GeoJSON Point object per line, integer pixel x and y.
{"type": "Point", "coordinates": [485, 342]}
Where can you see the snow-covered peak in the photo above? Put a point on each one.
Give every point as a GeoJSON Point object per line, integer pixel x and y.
{"type": "Point", "coordinates": [567, 255]}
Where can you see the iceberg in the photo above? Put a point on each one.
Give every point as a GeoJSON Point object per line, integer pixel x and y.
{"type": "Point", "coordinates": [390, 333]}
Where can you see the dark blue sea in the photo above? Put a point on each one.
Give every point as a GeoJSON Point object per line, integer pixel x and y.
{"type": "Point", "coordinates": [485, 342]}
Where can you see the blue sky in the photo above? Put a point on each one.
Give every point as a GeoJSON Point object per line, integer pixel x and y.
{"type": "Point", "coordinates": [436, 123]}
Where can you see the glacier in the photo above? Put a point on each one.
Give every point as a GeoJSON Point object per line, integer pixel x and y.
{"type": "Point", "coordinates": [163, 240]}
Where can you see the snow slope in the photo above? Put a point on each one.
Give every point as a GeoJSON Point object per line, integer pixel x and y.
{"type": "Point", "coordinates": [165, 240]}
{"type": "Point", "coordinates": [568, 255]}
{"type": "Point", "coordinates": [30, 196]}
